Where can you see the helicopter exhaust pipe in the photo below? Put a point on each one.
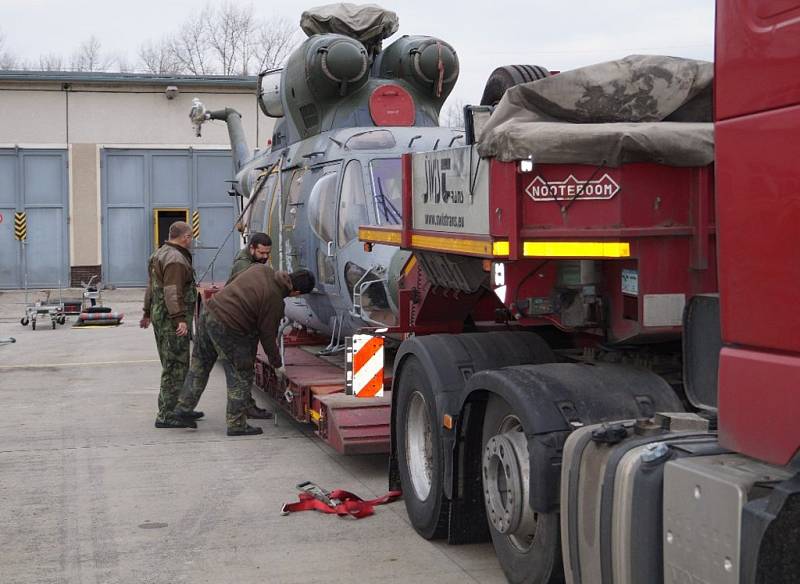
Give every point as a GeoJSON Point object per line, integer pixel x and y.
{"type": "Point", "coordinates": [233, 119]}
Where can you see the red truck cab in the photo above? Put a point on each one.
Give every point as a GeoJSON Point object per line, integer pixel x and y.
{"type": "Point", "coordinates": [757, 135]}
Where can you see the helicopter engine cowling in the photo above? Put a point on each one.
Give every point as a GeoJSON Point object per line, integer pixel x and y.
{"type": "Point", "coordinates": [428, 64]}
{"type": "Point", "coordinates": [324, 69]}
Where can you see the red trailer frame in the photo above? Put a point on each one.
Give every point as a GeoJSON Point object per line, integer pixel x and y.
{"type": "Point", "coordinates": [658, 223]}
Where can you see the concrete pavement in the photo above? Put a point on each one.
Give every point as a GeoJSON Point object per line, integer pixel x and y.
{"type": "Point", "coordinates": [93, 493]}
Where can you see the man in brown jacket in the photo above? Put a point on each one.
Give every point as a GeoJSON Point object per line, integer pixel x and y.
{"type": "Point", "coordinates": [248, 309]}
{"type": "Point", "coordinates": [257, 252]}
{"type": "Point", "coordinates": [169, 304]}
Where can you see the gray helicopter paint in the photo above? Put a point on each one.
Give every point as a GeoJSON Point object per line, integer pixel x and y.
{"type": "Point", "coordinates": [329, 99]}
{"type": "Point", "coordinates": [303, 248]}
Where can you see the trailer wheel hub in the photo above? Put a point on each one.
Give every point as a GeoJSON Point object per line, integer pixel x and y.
{"type": "Point", "coordinates": [506, 486]}
{"type": "Point", "coordinates": [419, 446]}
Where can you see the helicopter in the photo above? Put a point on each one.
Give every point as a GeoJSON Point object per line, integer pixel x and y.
{"type": "Point", "coordinates": [346, 110]}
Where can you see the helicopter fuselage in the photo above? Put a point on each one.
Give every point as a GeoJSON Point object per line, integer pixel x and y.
{"type": "Point", "coordinates": [312, 204]}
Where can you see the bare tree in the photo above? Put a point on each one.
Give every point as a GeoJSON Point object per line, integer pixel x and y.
{"type": "Point", "coordinates": [226, 40]}
{"type": "Point", "coordinates": [275, 39]}
{"type": "Point", "coordinates": [230, 37]}
{"type": "Point", "coordinates": [123, 64]}
{"type": "Point", "coordinates": [453, 115]}
{"type": "Point", "coordinates": [190, 46]}
{"type": "Point", "coordinates": [51, 62]}
{"type": "Point", "coordinates": [8, 60]}
{"type": "Point", "coordinates": [89, 57]}
{"type": "Point", "coordinates": [159, 58]}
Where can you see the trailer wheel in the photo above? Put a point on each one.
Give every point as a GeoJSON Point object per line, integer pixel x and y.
{"type": "Point", "coordinates": [23, 321]}
{"type": "Point", "coordinates": [527, 543]}
{"type": "Point", "coordinates": [419, 452]}
{"type": "Point", "coordinates": [506, 77]}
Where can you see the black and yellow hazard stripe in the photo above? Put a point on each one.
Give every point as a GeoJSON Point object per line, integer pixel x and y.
{"type": "Point", "coordinates": [196, 224]}
{"type": "Point", "coordinates": [21, 226]}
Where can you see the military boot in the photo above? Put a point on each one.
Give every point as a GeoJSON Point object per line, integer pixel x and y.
{"type": "Point", "coordinates": [187, 416]}
{"type": "Point", "coordinates": [256, 413]}
{"type": "Point", "coordinates": [175, 422]}
{"type": "Point", "coordinates": [193, 415]}
{"type": "Point", "coordinates": [246, 431]}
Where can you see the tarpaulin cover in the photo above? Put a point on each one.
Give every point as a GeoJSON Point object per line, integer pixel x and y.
{"type": "Point", "coordinates": [643, 108]}
{"type": "Point", "coordinates": [366, 22]}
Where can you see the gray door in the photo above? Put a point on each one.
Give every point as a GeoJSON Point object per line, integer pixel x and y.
{"type": "Point", "coordinates": [136, 182]}
{"type": "Point", "coordinates": [217, 210]}
{"type": "Point", "coordinates": [126, 229]}
{"type": "Point", "coordinates": [34, 181]}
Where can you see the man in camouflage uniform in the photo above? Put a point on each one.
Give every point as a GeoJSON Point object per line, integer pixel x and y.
{"type": "Point", "coordinates": [169, 304]}
{"type": "Point", "coordinates": [247, 310]}
{"type": "Point", "coordinates": [257, 252]}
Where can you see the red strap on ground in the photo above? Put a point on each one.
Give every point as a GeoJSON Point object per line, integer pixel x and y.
{"type": "Point", "coordinates": [350, 505]}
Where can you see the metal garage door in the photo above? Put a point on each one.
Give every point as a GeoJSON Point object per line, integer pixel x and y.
{"type": "Point", "coordinates": [136, 182]}
{"type": "Point", "coordinates": [35, 182]}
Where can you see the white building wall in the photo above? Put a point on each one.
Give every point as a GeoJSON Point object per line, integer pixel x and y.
{"type": "Point", "coordinates": [32, 117]}
{"type": "Point", "coordinates": [88, 117]}
{"type": "Point", "coordinates": [121, 115]}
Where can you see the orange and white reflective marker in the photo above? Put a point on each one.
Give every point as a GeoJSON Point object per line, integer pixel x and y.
{"type": "Point", "coordinates": [365, 366]}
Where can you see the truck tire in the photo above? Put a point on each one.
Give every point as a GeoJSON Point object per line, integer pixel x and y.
{"type": "Point", "coordinates": [508, 76]}
{"type": "Point", "coordinates": [419, 453]}
{"type": "Point", "coordinates": [527, 544]}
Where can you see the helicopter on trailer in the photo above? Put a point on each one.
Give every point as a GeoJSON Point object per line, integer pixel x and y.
{"type": "Point", "coordinates": [347, 109]}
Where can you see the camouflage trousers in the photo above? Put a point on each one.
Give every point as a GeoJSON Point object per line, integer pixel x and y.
{"type": "Point", "coordinates": [234, 350]}
{"type": "Point", "coordinates": [251, 402]}
{"type": "Point", "coordinates": [173, 351]}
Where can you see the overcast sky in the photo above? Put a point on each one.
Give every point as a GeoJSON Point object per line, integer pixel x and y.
{"type": "Point", "coordinates": [558, 34]}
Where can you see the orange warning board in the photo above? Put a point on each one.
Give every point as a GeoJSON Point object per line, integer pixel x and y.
{"type": "Point", "coordinates": [365, 366]}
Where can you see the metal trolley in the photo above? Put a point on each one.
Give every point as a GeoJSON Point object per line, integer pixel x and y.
{"type": "Point", "coordinates": [44, 309]}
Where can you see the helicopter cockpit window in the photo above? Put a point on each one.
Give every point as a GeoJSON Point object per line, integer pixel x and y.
{"type": "Point", "coordinates": [352, 204]}
{"type": "Point", "coordinates": [387, 189]}
{"type": "Point", "coordinates": [371, 140]}
{"type": "Point", "coordinates": [322, 207]}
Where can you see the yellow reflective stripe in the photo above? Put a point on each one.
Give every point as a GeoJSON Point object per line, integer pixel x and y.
{"type": "Point", "coordinates": [448, 243]}
{"type": "Point", "coordinates": [585, 249]}
{"type": "Point", "coordinates": [501, 248]}
{"type": "Point", "coordinates": [379, 236]}
{"type": "Point", "coordinates": [445, 243]}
